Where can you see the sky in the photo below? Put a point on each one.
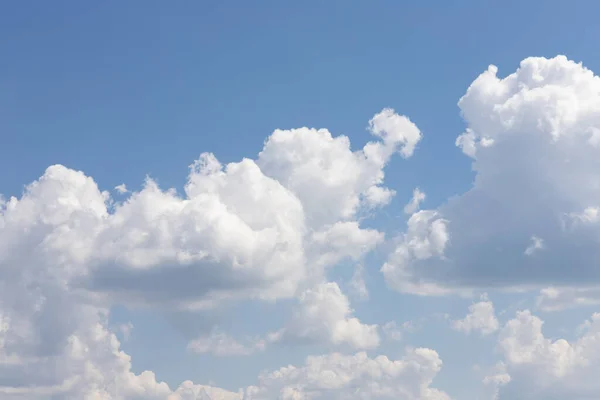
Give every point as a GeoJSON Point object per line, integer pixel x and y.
{"type": "Point", "coordinates": [229, 200]}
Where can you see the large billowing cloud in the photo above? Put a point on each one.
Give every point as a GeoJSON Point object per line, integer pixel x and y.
{"type": "Point", "coordinates": [530, 219]}
{"type": "Point", "coordinates": [264, 229]}
{"type": "Point", "coordinates": [259, 229]}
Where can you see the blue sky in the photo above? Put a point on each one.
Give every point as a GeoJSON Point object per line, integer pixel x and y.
{"type": "Point", "coordinates": [130, 91]}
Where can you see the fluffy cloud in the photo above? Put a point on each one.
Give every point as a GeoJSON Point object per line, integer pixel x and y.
{"type": "Point", "coordinates": [122, 189]}
{"type": "Point", "coordinates": [263, 229]}
{"type": "Point", "coordinates": [273, 227]}
{"type": "Point", "coordinates": [324, 316]}
{"type": "Point", "coordinates": [481, 317]}
{"type": "Point", "coordinates": [425, 239]}
{"type": "Point", "coordinates": [541, 368]}
{"type": "Point", "coordinates": [536, 245]}
{"type": "Point", "coordinates": [337, 376]}
{"type": "Point", "coordinates": [533, 138]}
{"type": "Point", "coordinates": [332, 182]}
{"type": "Point", "coordinates": [212, 244]}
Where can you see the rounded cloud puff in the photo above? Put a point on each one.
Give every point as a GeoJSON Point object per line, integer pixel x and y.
{"type": "Point", "coordinates": [529, 218]}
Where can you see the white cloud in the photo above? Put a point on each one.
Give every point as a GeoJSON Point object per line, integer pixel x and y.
{"type": "Point", "coordinates": [426, 237]}
{"type": "Point", "coordinates": [532, 137]}
{"type": "Point", "coordinates": [211, 245]}
{"type": "Point", "coordinates": [481, 317]}
{"type": "Point", "coordinates": [395, 130]}
{"type": "Point", "coordinates": [415, 201]}
{"type": "Point", "coordinates": [264, 229]}
{"type": "Point", "coordinates": [332, 182]}
{"type": "Point", "coordinates": [590, 215]}
{"type": "Point", "coordinates": [541, 368]}
{"type": "Point", "coordinates": [557, 299]}
{"type": "Point", "coordinates": [536, 245]}
{"type": "Point", "coordinates": [341, 240]}
{"type": "Point", "coordinates": [336, 376]}
{"type": "Point", "coordinates": [272, 228]}
{"type": "Point", "coordinates": [221, 344]}
{"type": "Point", "coordinates": [324, 316]}
{"type": "Point", "coordinates": [122, 189]}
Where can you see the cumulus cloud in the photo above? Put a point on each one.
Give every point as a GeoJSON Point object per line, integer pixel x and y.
{"type": "Point", "coordinates": [481, 318]}
{"type": "Point", "coordinates": [212, 244]}
{"type": "Point", "coordinates": [332, 182]}
{"type": "Point", "coordinates": [256, 229]}
{"type": "Point", "coordinates": [337, 376]}
{"type": "Point", "coordinates": [533, 140]}
{"type": "Point", "coordinates": [273, 227]}
{"type": "Point", "coordinates": [324, 316]}
{"type": "Point", "coordinates": [426, 238]}
{"type": "Point", "coordinates": [542, 368]}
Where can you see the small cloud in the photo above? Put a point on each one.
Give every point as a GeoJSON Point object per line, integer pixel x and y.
{"type": "Point", "coordinates": [358, 285]}
{"type": "Point", "coordinates": [121, 188]}
{"type": "Point", "coordinates": [536, 244]}
{"type": "Point", "coordinates": [415, 202]}
{"type": "Point", "coordinates": [125, 330]}
{"type": "Point", "coordinates": [481, 317]}
{"type": "Point", "coordinates": [392, 331]}
{"type": "Point", "coordinates": [222, 345]}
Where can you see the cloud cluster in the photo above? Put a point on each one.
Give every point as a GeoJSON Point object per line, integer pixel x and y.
{"type": "Point", "coordinates": [534, 366]}
{"type": "Point", "coordinates": [273, 227]}
{"type": "Point", "coordinates": [542, 368]}
{"type": "Point", "coordinates": [529, 219]}
{"type": "Point", "coordinates": [338, 376]}
{"type": "Point", "coordinates": [264, 229]}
